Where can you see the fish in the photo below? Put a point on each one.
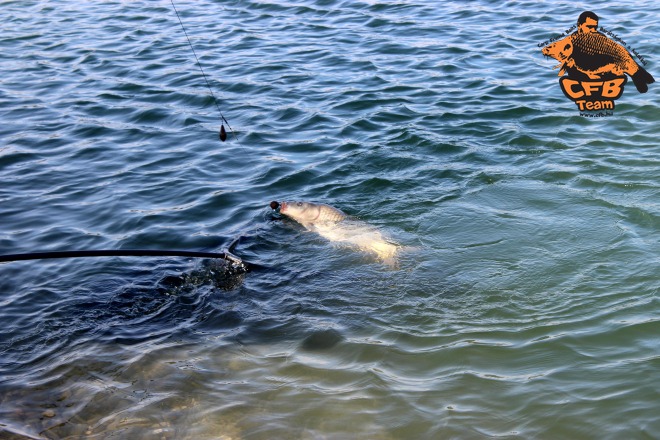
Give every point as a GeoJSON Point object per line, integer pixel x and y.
{"type": "Point", "coordinates": [334, 225]}
{"type": "Point", "coordinates": [595, 56]}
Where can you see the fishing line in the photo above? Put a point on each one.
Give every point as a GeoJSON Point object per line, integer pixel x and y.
{"type": "Point", "coordinates": [223, 133]}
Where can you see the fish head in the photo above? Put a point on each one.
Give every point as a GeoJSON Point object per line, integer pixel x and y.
{"type": "Point", "coordinates": [308, 213]}
{"type": "Point", "coordinates": [302, 212]}
{"type": "Point", "coordinates": [560, 50]}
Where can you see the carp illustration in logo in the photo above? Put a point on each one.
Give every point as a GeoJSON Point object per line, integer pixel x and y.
{"type": "Point", "coordinates": [593, 67]}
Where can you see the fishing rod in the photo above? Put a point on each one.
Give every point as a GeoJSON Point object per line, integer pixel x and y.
{"type": "Point", "coordinates": [223, 133]}
{"type": "Point", "coordinates": [121, 253]}
{"type": "Point", "coordinates": [108, 253]}
{"type": "Point", "coordinates": [226, 255]}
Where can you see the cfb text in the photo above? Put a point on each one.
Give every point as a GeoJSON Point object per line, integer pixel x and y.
{"type": "Point", "coordinates": [592, 90]}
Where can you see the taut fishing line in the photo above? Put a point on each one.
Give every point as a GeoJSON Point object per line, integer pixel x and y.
{"type": "Point", "coordinates": [223, 133]}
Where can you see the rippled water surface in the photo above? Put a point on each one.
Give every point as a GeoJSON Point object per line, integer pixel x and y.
{"type": "Point", "coordinates": [524, 301]}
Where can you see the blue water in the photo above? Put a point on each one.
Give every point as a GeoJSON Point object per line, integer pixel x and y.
{"type": "Point", "coordinates": [524, 303]}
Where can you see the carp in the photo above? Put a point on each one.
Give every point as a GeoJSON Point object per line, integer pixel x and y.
{"type": "Point", "coordinates": [594, 56]}
{"type": "Point", "coordinates": [334, 225]}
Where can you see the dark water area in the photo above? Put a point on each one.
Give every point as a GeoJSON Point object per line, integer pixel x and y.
{"type": "Point", "coordinates": [524, 299]}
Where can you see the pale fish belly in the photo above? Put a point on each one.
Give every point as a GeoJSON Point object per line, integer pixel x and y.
{"type": "Point", "coordinates": [359, 235]}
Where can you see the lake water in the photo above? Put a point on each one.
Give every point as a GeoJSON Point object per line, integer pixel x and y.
{"type": "Point", "coordinates": [523, 304]}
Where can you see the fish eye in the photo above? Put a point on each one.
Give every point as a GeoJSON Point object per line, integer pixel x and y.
{"type": "Point", "coordinates": [299, 203]}
{"type": "Point", "coordinates": [568, 46]}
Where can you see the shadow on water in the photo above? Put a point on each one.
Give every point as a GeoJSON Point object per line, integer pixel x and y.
{"type": "Point", "coordinates": [127, 304]}
{"type": "Point", "coordinates": [74, 350]}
